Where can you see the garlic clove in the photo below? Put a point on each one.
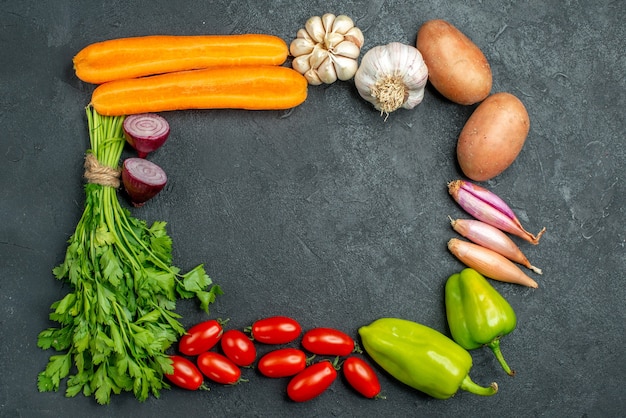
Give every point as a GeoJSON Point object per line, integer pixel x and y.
{"type": "Point", "coordinates": [318, 56]}
{"type": "Point", "coordinates": [327, 21]}
{"type": "Point", "coordinates": [303, 34]}
{"type": "Point", "coordinates": [332, 39]}
{"type": "Point", "coordinates": [301, 46]}
{"type": "Point", "coordinates": [345, 67]}
{"type": "Point", "coordinates": [347, 49]}
{"type": "Point", "coordinates": [301, 63]}
{"type": "Point", "coordinates": [342, 24]}
{"type": "Point", "coordinates": [315, 28]}
{"type": "Point", "coordinates": [326, 71]}
{"type": "Point", "coordinates": [355, 36]}
{"type": "Point", "coordinates": [312, 78]}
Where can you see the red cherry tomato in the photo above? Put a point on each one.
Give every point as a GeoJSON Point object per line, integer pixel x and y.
{"type": "Point", "coordinates": [219, 368]}
{"type": "Point", "coordinates": [328, 341]}
{"type": "Point", "coordinates": [238, 347]}
{"type": "Point", "coordinates": [312, 381]}
{"type": "Point", "coordinates": [185, 375]}
{"type": "Point", "coordinates": [201, 337]}
{"type": "Point", "coordinates": [361, 377]}
{"type": "Point", "coordinates": [275, 330]}
{"type": "Point", "coordinates": [282, 362]}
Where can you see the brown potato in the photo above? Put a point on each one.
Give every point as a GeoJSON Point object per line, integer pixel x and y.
{"type": "Point", "coordinates": [492, 137]}
{"type": "Point", "coordinates": [457, 68]}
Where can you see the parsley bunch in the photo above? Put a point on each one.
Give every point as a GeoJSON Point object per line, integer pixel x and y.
{"type": "Point", "coordinates": [118, 320]}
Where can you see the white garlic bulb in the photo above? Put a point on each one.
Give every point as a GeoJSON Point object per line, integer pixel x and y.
{"type": "Point", "coordinates": [327, 49]}
{"type": "Point", "coordinates": [392, 76]}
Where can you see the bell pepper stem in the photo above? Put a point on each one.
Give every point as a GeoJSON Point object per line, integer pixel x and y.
{"type": "Point", "coordinates": [469, 385]}
{"type": "Point", "coordinates": [495, 347]}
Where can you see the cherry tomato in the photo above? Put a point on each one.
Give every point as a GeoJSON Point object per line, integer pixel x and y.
{"type": "Point", "coordinates": [238, 347]}
{"type": "Point", "coordinates": [185, 375]}
{"type": "Point", "coordinates": [219, 368]}
{"type": "Point", "coordinates": [328, 341]}
{"type": "Point", "coordinates": [275, 330]}
{"type": "Point", "coordinates": [312, 381]}
{"type": "Point", "coordinates": [361, 377]}
{"type": "Point", "coordinates": [282, 362]}
{"type": "Point", "coordinates": [201, 337]}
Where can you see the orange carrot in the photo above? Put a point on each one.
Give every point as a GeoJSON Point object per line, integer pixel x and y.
{"type": "Point", "coordinates": [489, 263]}
{"type": "Point", "coordinates": [236, 87]}
{"type": "Point", "coordinates": [123, 58]}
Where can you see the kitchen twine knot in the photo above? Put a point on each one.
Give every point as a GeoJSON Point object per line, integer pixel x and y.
{"type": "Point", "coordinates": [100, 174]}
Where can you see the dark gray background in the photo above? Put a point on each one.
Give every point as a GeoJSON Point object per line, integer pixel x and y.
{"type": "Point", "coordinates": [329, 214]}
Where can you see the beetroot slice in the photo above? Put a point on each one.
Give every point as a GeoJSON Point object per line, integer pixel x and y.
{"type": "Point", "coordinates": [142, 180]}
{"type": "Point", "coordinates": [145, 132]}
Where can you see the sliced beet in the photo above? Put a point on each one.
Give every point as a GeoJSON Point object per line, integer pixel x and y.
{"type": "Point", "coordinates": [142, 180]}
{"type": "Point", "coordinates": [145, 132]}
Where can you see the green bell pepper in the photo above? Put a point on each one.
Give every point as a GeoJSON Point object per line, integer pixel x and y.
{"type": "Point", "coordinates": [477, 314]}
{"type": "Point", "coordinates": [421, 357]}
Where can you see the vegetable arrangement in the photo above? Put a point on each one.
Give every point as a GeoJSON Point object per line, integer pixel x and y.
{"type": "Point", "coordinates": [119, 320]}
{"type": "Point", "coordinates": [222, 354]}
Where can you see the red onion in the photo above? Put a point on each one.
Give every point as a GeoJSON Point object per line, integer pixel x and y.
{"type": "Point", "coordinates": [145, 132]}
{"type": "Point", "coordinates": [486, 206]}
{"type": "Point", "coordinates": [142, 180]}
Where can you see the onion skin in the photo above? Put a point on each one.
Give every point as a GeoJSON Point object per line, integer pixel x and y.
{"type": "Point", "coordinates": [489, 263]}
{"type": "Point", "coordinates": [492, 238]}
{"type": "Point", "coordinates": [145, 132]}
{"type": "Point", "coordinates": [142, 180]}
{"type": "Point", "coordinates": [486, 206]}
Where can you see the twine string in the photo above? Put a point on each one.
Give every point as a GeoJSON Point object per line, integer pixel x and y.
{"type": "Point", "coordinates": [101, 174]}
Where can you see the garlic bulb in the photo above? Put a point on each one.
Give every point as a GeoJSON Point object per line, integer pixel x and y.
{"type": "Point", "coordinates": [392, 76]}
{"type": "Point", "coordinates": [327, 49]}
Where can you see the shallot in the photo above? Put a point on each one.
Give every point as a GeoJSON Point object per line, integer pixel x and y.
{"type": "Point", "coordinates": [489, 263]}
{"type": "Point", "coordinates": [145, 132]}
{"type": "Point", "coordinates": [491, 237]}
{"type": "Point", "coordinates": [486, 206]}
{"type": "Point", "coordinates": [142, 180]}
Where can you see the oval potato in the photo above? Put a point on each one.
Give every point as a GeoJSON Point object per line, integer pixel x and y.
{"type": "Point", "coordinates": [457, 68]}
{"type": "Point", "coordinates": [492, 137]}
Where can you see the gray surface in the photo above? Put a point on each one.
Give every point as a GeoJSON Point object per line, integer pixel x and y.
{"type": "Point", "coordinates": [329, 214]}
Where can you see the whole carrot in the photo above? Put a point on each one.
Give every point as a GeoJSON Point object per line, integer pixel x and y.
{"type": "Point", "coordinates": [235, 87]}
{"type": "Point", "coordinates": [489, 263]}
{"type": "Point", "coordinates": [123, 58]}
